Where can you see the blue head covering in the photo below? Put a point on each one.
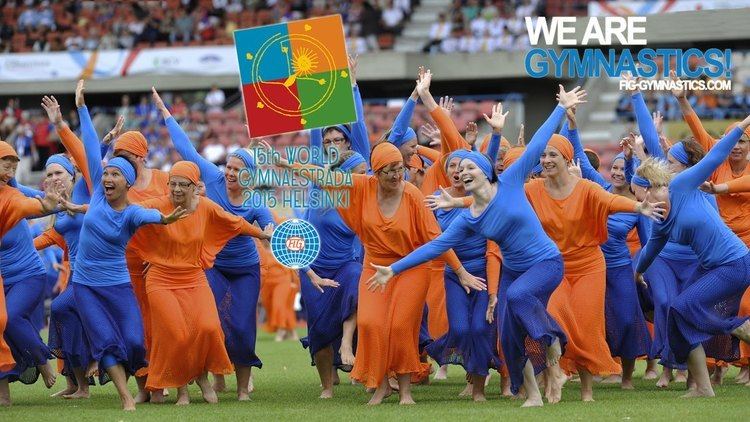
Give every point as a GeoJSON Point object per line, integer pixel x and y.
{"type": "Point", "coordinates": [62, 161]}
{"type": "Point", "coordinates": [482, 162]}
{"type": "Point", "coordinates": [399, 139]}
{"type": "Point", "coordinates": [460, 153]}
{"type": "Point", "coordinates": [618, 156]}
{"type": "Point", "coordinates": [678, 152]}
{"type": "Point", "coordinates": [341, 128]}
{"type": "Point", "coordinates": [127, 169]}
{"type": "Point", "coordinates": [246, 158]}
{"type": "Point", "coordinates": [353, 161]}
{"type": "Point", "coordinates": [640, 181]}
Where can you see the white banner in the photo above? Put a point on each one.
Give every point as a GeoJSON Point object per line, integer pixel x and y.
{"type": "Point", "coordinates": [642, 8]}
{"type": "Point", "coordinates": [215, 60]}
{"type": "Point", "coordinates": [28, 67]}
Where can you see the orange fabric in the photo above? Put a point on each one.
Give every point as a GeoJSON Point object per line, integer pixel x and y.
{"type": "Point", "coordinates": [486, 143]}
{"type": "Point", "coordinates": [6, 150]}
{"type": "Point", "coordinates": [132, 142]}
{"type": "Point", "coordinates": [77, 152]}
{"type": "Point", "coordinates": [511, 156]}
{"type": "Point", "coordinates": [634, 242]}
{"type": "Point", "coordinates": [187, 170]}
{"type": "Point", "coordinates": [278, 289]}
{"type": "Point", "coordinates": [14, 207]}
{"type": "Point", "coordinates": [744, 347]}
{"type": "Point", "coordinates": [450, 141]}
{"type": "Point", "coordinates": [428, 153]}
{"type": "Point", "coordinates": [734, 125]}
{"type": "Point", "coordinates": [51, 237]}
{"type": "Point", "coordinates": [416, 162]}
{"type": "Point", "coordinates": [437, 315]}
{"type": "Point", "coordinates": [186, 337]}
{"type": "Point", "coordinates": [493, 267]}
{"type": "Point", "coordinates": [578, 225]}
{"type": "Point", "coordinates": [563, 145]}
{"type": "Point", "coordinates": [384, 154]}
{"type": "Point", "coordinates": [739, 185]}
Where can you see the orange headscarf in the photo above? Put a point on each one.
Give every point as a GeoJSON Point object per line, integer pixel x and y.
{"type": "Point", "coordinates": [563, 145]}
{"type": "Point", "coordinates": [187, 170]}
{"type": "Point", "coordinates": [383, 154]}
{"type": "Point", "coordinates": [415, 162]}
{"type": "Point", "coordinates": [7, 151]}
{"type": "Point", "coordinates": [511, 156]}
{"type": "Point", "coordinates": [589, 150]}
{"type": "Point", "coordinates": [132, 142]}
{"type": "Point", "coordinates": [734, 125]}
{"type": "Point", "coordinates": [486, 143]}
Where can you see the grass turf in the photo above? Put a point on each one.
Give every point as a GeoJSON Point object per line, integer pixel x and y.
{"type": "Point", "coordinates": [287, 388]}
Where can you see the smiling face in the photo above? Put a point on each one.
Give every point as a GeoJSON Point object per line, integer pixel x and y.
{"type": "Point", "coordinates": [391, 176]}
{"type": "Point", "coordinates": [472, 176]}
{"type": "Point", "coordinates": [232, 169]}
{"type": "Point", "coordinates": [181, 191]}
{"type": "Point", "coordinates": [740, 150]}
{"type": "Point", "coordinates": [408, 149]}
{"type": "Point", "coordinates": [454, 172]}
{"type": "Point", "coordinates": [58, 176]}
{"type": "Point", "coordinates": [7, 169]}
{"type": "Point", "coordinates": [553, 162]}
{"type": "Point", "coordinates": [334, 138]}
{"type": "Point", "coordinates": [114, 183]}
{"type": "Point", "coordinates": [617, 173]}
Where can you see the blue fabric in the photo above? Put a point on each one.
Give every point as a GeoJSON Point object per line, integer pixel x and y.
{"type": "Point", "coordinates": [113, 324]}
{"type": "Point", "coordinates": [692, 220]}
{"type": "Point", "coordinates": [461, 154]}
{"type": "Point", "coordinates": [509, 219]}
{"type": "Point", "coordinates": [326, 312]}
{"type": "Point", "coordinates": [240, 252]}
{"type": "Point", "coordinates": [339, 245]}
{"type": "Point", "coordinates": [493, 149]}
{"type": "Point", "coordinates": [646, 127]}
{"type": "Point", "coordinates": [619, 225]}
{"type": "Point", "coordinates": [21, 332]}
{"type": "Point", "coordinates": [401, 131]}
{"type": "Point", "coordinates": [19, 260]}
{"type": "Point", "coordinates": [678, 152]}
{"type": "Point", "coordinates": [236, 295]}
{"type": "Point", "coordinates": [127, 170]}
{"type": "Point", "coordinates": [63, 161]}
{"type": "Point", "coordinates": [66, 337]}
{"type": "Point", "coordinates": [640, 181]}
{"type": "Point", "coordinates": [706, 311]}
{"type": "Point", "coordinates": [526, 326]}
{"type": "Point", "coordinates": [627, 333]}
{"type": "Point", "coordinates": [353, 161]}
{"type": "Point", "coordinates": [69, 226]}
{"type": "Point", "coordinates": [246, 158]}
{"type": "Point", "coordinates": [483, 163]}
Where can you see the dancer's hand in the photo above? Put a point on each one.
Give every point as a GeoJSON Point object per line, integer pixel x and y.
{"type": "Point", "coordinates": [658, 122]}
{"type": "Point", "coordinates": [115, 132]}
{"type": "Point", "coordinates": [652, 210]}
{"type": "Point", "coordinates": [80, 101]}
{"type": "Point", "coordinates": [497, 121]}
{"type": "Point", "coordinates": [423, 83]}
{"type": "Point", "coordinates": [177, 214]}
{"type": "Point", "coordinates": [471, 133]}
{"type": "Point", "coordinates": [571, 98]}
{"type": "Point", "coordinates": [446, 104]}
{"type": "Point", "coordinates": [442, 201]}
{"type": "Point", "coordinates": [628, 77]}
{"type": "Point", "coordinates": [432, 132]}
{"type": "Point", "coordinates": [627, 147]}
{"type": "Point", "coordinates": [570, 114]}
{"type": "Point", "coordinates": [52, 107]}
{"type": "Point", "coordinates": [491, 304]}
{"type": "Point", "coordinates": [713, 188]}
{"type": "Point", "coordinates": [159, 103]}
{"type": "Point", "coordinates": [267, 232]}
{"type": "Point", "coordinates": [380, 278]}
{"type": "Point", "coordinates": [679, 93]}
{"type": "Point", "coordinates": [415, 94]}
{"type": "Point", "coordinates": [470, 282]}
{"type": "Point", "coordinates": [521, 142]}
{"type": "Point", "coordinates": [319, 282]}
{"type": "Point", "coordinates": [353, 67]}
{"type": "Point", "coordinates": [575, 168]}
{"type": "Point", "coordinates": [640, 280]}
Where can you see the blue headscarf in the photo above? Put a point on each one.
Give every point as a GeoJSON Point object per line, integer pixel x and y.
{"type": "Point", "coordinates": [353, 161]}
{"type": "Point", "coordinates": [482, 162]}
{"type": "Point", "coordinates": [63, 161]}
{"type": "Point", "coordinates": [618, 156]}
{"type": "Point", "coordinates": [399, 139]}
{"type": "Point", "coordinates": [246, 158]}
{"type": "Point", "coordinates": [640, 181]}
{"type": "Point", "coordinates": [678, 152]}
{"type": "Point", "coordinates": [127, 169]}
{"type": "Point", "coordinates": [460, 153]}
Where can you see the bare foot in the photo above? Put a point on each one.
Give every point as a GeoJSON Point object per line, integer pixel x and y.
{"type": "Point", "coordinates": [478, 396]}
{"type": "Point", "coordinates": [533, 402]}
{"type": "Point", "coordinates": [743, 377]}
{"type": "Point", "coordinates": [209, 394]}
{"type": "Point", "coordinates": [379, 395]}
{"type": "Point", "coordinates": [665, 378]}
{"type": "Point", "coordinates": [554, 351]}
{"type": "Point", "coordinates": [709, 392]}
{"type": "Point", "coordinates": [142, 396]}
{"type": "Point", "coordinates": [48, 374]}
{"type": "Point", "coordinates": [280, 334]}
{"type": "Point", "coordinates": [556, 379]}
{"type": "Point", "coordinates": [407, 401]}
{"type": "Point", "coordinates": [66, 392]}
{"type": "Point", "coordinates": [505, 387]}
{"type": "Point", "coordinates": [442, 373]}
{"type": "Point", "coordinates": [92, 369]}
{"type": "Point", "coordinates": [243, 396]}
{"type": "Point", "coordinates": [327, 393]}
{"type": "Point", "coordinates": [627, 385]}
{"type": "Point", "coordinates": [466, 391]}
{"type": "Point", "coordinates": [612, 379]}
{"type": "Point", "coordinates": [220, 385]}
{"type": "Point", "coordinates": [157, 397]}
{"type": "Point", "coordinates": [128, 404]}
{"type": "Point", "coordinates": [393, 384]}
{"type": "Point", "coordinates": [681, 376]}
{"type": "Point", "coordinates": [347, 355]}
{"type": "Point", "coordinates": [79, 394]}
{"type": "Point", "coordinates": [183, 397]}
{"type": "Point", "coordinates": [650, 375]}
{"type": "Point", "coordinates": [718, 376]}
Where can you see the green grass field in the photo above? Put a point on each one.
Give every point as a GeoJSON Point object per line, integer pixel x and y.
{"type": "Point", "coordinates": [287, 389]}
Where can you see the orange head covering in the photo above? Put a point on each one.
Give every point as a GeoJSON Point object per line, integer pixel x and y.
{"type": "Point", "coordinates": [563, 145]}
{"type": "Point", "coordinates": [383, 154]}
{"type": "Point", "coordinates": [132, 142]}
{"type": "Point", "coordinates": [7, 151]}
{"type": "Point", "coordinates": [415, 162]}
{"type": "Point", "coordinates": [511, 156]}
{"type": "Point", "coordinates": [486, 143]}
{"type": "Point", "coordinates": [734, 125]}
{"type": "Point", "coordinates": [187, 170]}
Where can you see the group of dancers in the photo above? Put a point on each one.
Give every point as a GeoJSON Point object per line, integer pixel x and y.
{"type": "Point", "coordinates": [518, 259]}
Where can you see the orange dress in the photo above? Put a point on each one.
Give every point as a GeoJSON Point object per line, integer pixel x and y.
{"type": "Point", "coordinates": [734, 209]}
{"type": "Point", "coordinates": [14, 207]}
{"type": "Point", "coordinates": [578, 225]}
{"type": "Point", "coordinates": [186, 335]}
{"type": "Point", "coordinates": [278, 288]}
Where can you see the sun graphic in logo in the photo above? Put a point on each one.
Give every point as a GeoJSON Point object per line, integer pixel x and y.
{"type": "Point", "coordinates": [304, 61]}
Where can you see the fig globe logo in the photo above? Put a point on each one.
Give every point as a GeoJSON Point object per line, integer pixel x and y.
{"type": "Point", "coordinates": [295, 243]}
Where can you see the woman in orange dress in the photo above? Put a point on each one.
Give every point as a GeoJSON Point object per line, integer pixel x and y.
{"type": "Point", "coordinates": [187, 341]}
{"type": "Point", "coordinates": [14, 207]}
{"type": "Point", "coordinates": [574, 214]}
{"type": "Point", "coordinates": [389, 217]}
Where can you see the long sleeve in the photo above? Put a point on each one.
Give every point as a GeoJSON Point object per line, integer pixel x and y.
{"type": "Point", "coordinates": [494, 148]}
{"type": "Point", "coordinates": [91, 145]}
{"type": "Point", "coordinates": [694, 176]}
{"type": "Point", "coordinates": [698, 131]}
{"type": "Point", "coordinates": [517, 173]}
{"type": "Point", "coordinates": [264, 217]}
{"type": "Point", "coordinates": [17, 208]}
{"type": "Point", "coordinates": [457, 231]}
{"type": "Point", "coordinates": [360, 140]}
{"type": "Point", "coordinates": [49, 238]}
{"type": "Point", "coordinates": [739, 185]}
{"type": "Point", "coordinates": [403, 120]}
{"type": "Point", "coordinates": [428, 153]}
{"type": "Point", "coordinates": [588, 171]}
{"type": "Point", "coordinates": [75, 147]}
{"type": "Point", "coordinates": [248, 229]}
{"type": "Point", "coordinates": [620, 203]}
{"type": "Point", "coordinates": [493, 267]}
{"type": "Point", "coordinates": [104, 149]}
{"type": "Point", "coordinates": [646, 126]}
{"type": "Point", "coordinates": [143, 216]}
{"type": "Point", "coordinates": [453, 139]}
{"type": "Point", "coordinates": [187, 151]}
{"type": "Point", "coordinates": [655, 244]}
{"type": "Point", "coordinates": [629, 169]}
{"type": "Point", "coordinates": [28, 192]}
{"type": "Point", "coordinates": [643, 227]}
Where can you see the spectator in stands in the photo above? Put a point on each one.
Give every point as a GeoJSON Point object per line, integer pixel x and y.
{"type": "Point", "coordinates": [470, 11]}
{"type": "Point", "coordinates": [183, 27]}
{"type": "Point", "coordinates": [6, 34]}
{"type": "Point", "coordinates": [440, 30]}
{"type": "Point", "coordinates": [179, 108]}
{"type": "Point", "coordinates": [485, 43]}
{"type": "Point", "coordinates": [75, 41]}
{"type": "Point", "coordinates": [43, 140]}
{"type": "Point", "coordinates": [392, 19]}
{"type": "Point", "coordinates": [370, 25]}
{"type": "Point", "coordinates": [22, 140]}
{"type": "Point", "coordinates": [91, 41]}
{"type": "Point", "coordinates": [215, 100]}
{"type": "Point", "coordinates": [34, 17]}
{"type": "Point", "coordinates": [452, 43]}
{"type": "Point", "coordinates": [355, 44]}
{"type": "Point", "coordinates": [108, 41]}
{"type": "Point", "coordinates": [527, 8]}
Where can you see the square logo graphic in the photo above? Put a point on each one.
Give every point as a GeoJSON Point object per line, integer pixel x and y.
{"type": "Point", "coordinates": [295, 76]}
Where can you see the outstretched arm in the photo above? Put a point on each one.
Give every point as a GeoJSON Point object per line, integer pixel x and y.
{"type": "Point", "coordinates": [646, 126]}
{"type": "Point", "coordinates": [587, 170]}
{"type": "Point", "coordinates": [457, 231]}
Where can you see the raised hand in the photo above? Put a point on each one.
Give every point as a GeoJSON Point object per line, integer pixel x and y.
{"type": "Point", "coordinates": [415, 93]}
{"type": "Point", "coordinates": [446, 103]}
{"type": "Point", "coordinates": [353, 67]}
{"type": "Point", "coordinates": [652, 210]}
{"type": "Point", "coordinates": [664, 144]}
{"type": "Point", "coordinates": [497, 121]}
{"type": "Point", "coordinates": [80, 102]}
{"type": "Point", "coordinates": [380, 278]}
{"type": "Point", "coordinates": [177, 214]}
{"type": "Point", "coordinates": [628, 78]}
{"type": "Point", "coordinates": [470, 282]}
{"type": "Point", "coordinates": [115, 132]}
{"type": "Point", "coordinates": [658, 122]}
{"type": "Point", "coordinates": [575, 168]}
{"type": "Point", "coordinates": [159, 103]}
{"type": "Point", "coordinates": [521, 142]}
{"type": "Point", "coordinates": [677, 92]}
{"type": "Point", "coordinates": [423, 83]}
{"type": "Point", "coordinates": [627, 147]}
{"type": "Point", "coordinates": [442, 201]}
{"type": "Point", "coordinates": [432, 132]}
{"type": "Point", "coordinates": [471, 133]}
{"type": "Point", "coordinates": [571, 98]}
{"type": "Point", "coordinates": [491, 304]}
{"type": "Point", "coordinates": [52, 107]}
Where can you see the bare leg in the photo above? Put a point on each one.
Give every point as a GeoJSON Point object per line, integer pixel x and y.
{"type": "Point", "coordinates": [381, 393]}
{"type": "Point", "coordinates": [220, 384]}
{"type": "Point", "coordinates": [243, 379]}
{"type": "Point", "coordinates": [324, 365]}
{"type": "Point", "coordinates": [92, 369]}
{"type": "Point", "coordinates": [628, 366]}
{"type": "Point", "coordinates": [556, 380]}
{"type": "Point", "coordinates": [280, 334]}
{"type": "Point", "coordinates": [505, 387]}
{"type": "Point", "coordinates": [157, 397]}
{"type": "Point", "coordinates": [251, 383]}
{"type": "Point", "coordinates": [346, 350]}
{"type": "Point", "coordinates": [718, 376]}
{"type": "Point", "coordinates": [209, 395]}
{"type": "Point", "coordinates": [143, 395]}
{"type": "Point", "coordinates": [666, 377]}
{"type": "Point", "coordinates": [651, 373]}
{"type": "Point", "coordinates": [587, 385]}
{"type": "Point", "coordinates": [442, 373]}
{"type": "Point", "coordinates": [120, 380]}
{"type": "Point", "coordinates": [743, 332]}
{"type": "Point", "coordinates": [83, 386]}
{"type": "Point", "coordinates": [48, 374]}
{"type": "Point", "coordinates": [743, 377]}
{"type": "Point", "coordinates": [477, 392]}
{"type": "Point", "coordinates": [699, 373]}
{"type": "Point", "coordinates": [467, 391]}
{"type": "Point", "coordinates": [335, 376]}
{"type": "Point", "coordinates": [404, 389]}
{"type": "Point", "coordinates": [4, 392]}
{"type": "Point", "coordinates": [183, 398]}
{"type": "Point", "coordinates": [681, 376]}
{"type": "Point", "coordinates": [533, 396]}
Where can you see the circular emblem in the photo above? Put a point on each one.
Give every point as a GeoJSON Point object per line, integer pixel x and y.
{"type": "Point", "coordinates": [295, 243]}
